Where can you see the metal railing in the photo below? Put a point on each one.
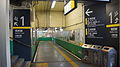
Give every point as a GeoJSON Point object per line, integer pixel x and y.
{"type": "Point", "coordinates": [21, 43]}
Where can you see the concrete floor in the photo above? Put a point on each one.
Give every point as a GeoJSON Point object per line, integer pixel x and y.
{"type": "Point", "coordinates": [52, 55]}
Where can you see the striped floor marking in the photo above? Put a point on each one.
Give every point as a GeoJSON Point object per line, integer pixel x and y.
{"type": "Point", "coordinates": [41, 65]}
{"type": "Point", "coordinates": [66, 57]}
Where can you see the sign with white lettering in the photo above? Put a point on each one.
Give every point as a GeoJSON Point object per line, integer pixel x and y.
{"type": "Point", "coordinates": [95, 24]}
{"type": "Point", "coordinates": [112, 14]}
{"type": "Point", "coordinates": [22, 33]}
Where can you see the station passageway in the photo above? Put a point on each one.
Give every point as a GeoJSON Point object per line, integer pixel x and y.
{"type": "Point", "coordinates": [52, 55]}
{"type": "Point", "coordinates": [60, 33]}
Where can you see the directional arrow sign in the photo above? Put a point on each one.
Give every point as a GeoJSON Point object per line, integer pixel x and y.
{"type": "Point", "coordinates": [87, 12]}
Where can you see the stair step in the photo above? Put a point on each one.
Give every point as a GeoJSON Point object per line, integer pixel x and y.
{"type": "Point", "coordinates": [14, 59]}
{"type": "Point", "coordinates": [27, 64]}
{"type": "Point", "coordinates": [19, 62]}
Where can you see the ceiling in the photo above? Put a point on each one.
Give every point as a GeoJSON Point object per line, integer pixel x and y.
{"type": "Point", "coordinates": [50, 0]}
{"type": "Point", "coordinates": [45, 5]}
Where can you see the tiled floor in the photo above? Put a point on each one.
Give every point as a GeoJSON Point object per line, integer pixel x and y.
{"type": "Point", "coordinates": [52, 55]}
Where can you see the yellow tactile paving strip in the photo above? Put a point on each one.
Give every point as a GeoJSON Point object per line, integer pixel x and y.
{"type": "Point", "coordinates": [65, 56]}
{"type": "Point", "coordinates": [41, 65]}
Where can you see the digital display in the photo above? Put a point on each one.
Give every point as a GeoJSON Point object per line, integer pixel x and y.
{"type": "Point", "coordinates": [69, 6]}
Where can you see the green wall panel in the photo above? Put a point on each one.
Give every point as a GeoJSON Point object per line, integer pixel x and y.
{"type": "Point", "coordinates": [45, 39]}
{"type": "Point", "coordinates": [11, 47]}
{"type": "Point", "coordinates": [76, 50]}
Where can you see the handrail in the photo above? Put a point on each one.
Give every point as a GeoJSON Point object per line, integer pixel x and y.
{"type": "Point", "coordinates": [20, 42]}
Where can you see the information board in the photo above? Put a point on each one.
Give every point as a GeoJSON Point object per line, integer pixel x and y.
{"type": "Point", "coordinates": [113, 24]}
{"type": "Point", "coordinates": [102, 24]}
{"type": "Point", "coordinates": [95, 29]}
{"type": "Point", "coordinates": [22, 33]}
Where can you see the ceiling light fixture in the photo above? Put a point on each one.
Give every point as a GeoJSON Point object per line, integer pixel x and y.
{"type": "Point", "coordinates": [53, 4]}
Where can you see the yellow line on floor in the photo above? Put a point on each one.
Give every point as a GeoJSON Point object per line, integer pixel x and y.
{"type": "Point", "coordinates": [41, 65]}
{"type": "Point", "coordinates": [66, 57]}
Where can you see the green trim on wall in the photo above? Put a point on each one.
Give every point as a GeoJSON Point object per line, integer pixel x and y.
{"type": "Point", "coordinates": [45, 39]}
{"type": "Point", "coordinates": [76, 50]}
{"type": "Point", "coordinates": [11, 47]}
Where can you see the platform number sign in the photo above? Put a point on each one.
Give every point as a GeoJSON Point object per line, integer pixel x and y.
{"type": "Point", "coordinates": [113, 24]}
{"type": "Point", "coordinates": [114, 15]}
{"type": "Point", "coordinates": [22, 33]}
{"type": "Point", "coordinates": [21, 18]}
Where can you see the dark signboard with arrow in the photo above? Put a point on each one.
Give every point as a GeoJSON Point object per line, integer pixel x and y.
{"type": "Point", "coordinates": [22, 33]}
{"type": "Point", "coordinates": [95, 24]}
{"type": "Point", "coordinates": [102, 26]}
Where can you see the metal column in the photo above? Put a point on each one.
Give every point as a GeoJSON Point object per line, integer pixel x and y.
{"type": "Point", "coordinates": [4, 34]}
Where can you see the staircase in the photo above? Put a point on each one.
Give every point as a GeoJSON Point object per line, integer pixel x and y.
{"type": "Point", "coordinates": [19, 62]}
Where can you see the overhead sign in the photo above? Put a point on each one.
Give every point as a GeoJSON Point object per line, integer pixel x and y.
{"type": "Point", "coordinates": [22, 33]}
{"type": "Point", "coordinates": [71, 5]}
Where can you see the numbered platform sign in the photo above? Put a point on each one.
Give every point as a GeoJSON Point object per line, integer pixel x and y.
{"type": "Point", "coordinates": [22, 33]}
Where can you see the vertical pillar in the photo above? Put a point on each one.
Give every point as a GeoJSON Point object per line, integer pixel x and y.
{"type": "Point", "coordinates": [4, 34]}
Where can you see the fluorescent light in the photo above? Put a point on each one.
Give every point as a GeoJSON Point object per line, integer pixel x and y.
{"type": "Point", "coordinates": [55, 28]}
{"type": "Point", "coordinates": [45, 31]}
{"type": "Point", "coordinates": [53, 4]}
{"type": "Point", "coordinates": [33, 31]}
{"type": "Point", "coordinates": [61, 29]}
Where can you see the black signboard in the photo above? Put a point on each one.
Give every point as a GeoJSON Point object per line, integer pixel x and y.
{"type": "Point", "coordinates": [102, 24]}
{"type": "Point", "coordinates": [21, 33]}
{"type": "Point", "coordinates": [112, 15]}
{"type": "Point", "coordinates": [95, 24]}
{"type": "Point", "coordinates": [113, 25]}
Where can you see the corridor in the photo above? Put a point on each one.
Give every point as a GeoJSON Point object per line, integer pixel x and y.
{"type": "Point", "coordinates": [52, 55]}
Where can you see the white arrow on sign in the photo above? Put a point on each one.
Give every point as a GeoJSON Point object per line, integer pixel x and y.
{"type": "Point", "coordinates": [87, 12]}
{"type": "Point", "coordinates": [15, 23]}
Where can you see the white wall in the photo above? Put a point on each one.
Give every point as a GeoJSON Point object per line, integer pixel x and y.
{"type": "Point", "coordinates": [57, 19]}
{"type": "Point", "coordinates": [75, 20]}
{"type": "Point", "coordinates": [4, 34]}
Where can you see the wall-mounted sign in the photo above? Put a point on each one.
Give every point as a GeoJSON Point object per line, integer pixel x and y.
{"type": "Point", "coordinates": [69, 6]}
{"type": "Point", "coordinates": [22, 33]}
{"type": "Point", "coordinates": [113, 24]}
{"type": "Point", "coordinates": [102, 24]}
{"type": "Point", "coordinates": [95, 24]}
